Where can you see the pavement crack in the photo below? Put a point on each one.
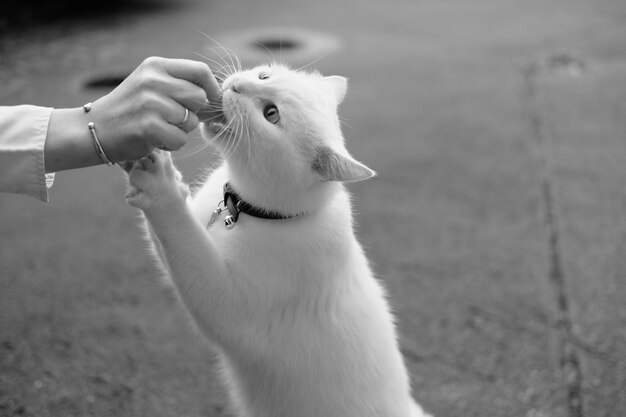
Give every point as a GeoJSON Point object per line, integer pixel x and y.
{"type": "Point", "coordinates": [569, 360]}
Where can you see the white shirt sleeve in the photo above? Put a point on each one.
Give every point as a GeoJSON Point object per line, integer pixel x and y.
{"type": "Point", "coordinates": [23, 131]}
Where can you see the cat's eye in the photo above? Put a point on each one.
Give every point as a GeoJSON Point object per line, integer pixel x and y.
{"type": "Point", "coordinates": [271, 114]}
{"type": "Point", "coordinates": [264, 75]}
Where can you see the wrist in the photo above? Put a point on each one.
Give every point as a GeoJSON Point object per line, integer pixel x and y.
{"type": "Point", "coordinates": [95, 140]}
{"type": "Point", "coordinates": [68, 141]}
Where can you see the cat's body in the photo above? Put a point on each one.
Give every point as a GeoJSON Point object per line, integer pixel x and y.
{"type": "Point", "coordinates": [301, 325]}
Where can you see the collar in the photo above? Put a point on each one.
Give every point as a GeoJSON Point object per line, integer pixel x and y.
{"type": "Point", "coordinates": [236, 205]}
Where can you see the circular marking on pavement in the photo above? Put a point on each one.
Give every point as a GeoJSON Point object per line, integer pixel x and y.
{"type": "Point", "coordinates": [289, 45]}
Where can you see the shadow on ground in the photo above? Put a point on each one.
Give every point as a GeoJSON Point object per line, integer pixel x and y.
{"type": "Point", "coordinates": [20, 16]}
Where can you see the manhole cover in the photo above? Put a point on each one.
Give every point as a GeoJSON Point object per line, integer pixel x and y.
{"type": "Point", "coordinates": [294, 46]}
{"type": "Point", "coordinates": [277, 45]}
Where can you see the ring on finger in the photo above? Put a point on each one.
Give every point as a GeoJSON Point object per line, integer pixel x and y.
{"type": "Point", "coordinates": [184, 118]}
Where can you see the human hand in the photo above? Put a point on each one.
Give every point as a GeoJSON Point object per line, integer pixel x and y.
{"type": "Point", "coordinates": [147, 109]}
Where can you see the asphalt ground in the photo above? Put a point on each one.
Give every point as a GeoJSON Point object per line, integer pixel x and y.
{"type": "Point", "coordinates": [496, 222]}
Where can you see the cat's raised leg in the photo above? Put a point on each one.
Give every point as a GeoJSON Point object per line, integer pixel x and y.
{"type": "Point", "coordinates": [148, 183]}
{"type": "Point", "coordinates": [195, 264]}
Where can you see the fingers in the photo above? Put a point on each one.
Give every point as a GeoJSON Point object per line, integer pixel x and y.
{"type": "Point", "coordinates": [195, 99]}
{"type": "Point", "coordinates": [190, 124]}
{"type": "Point", "coordinates": [187, 94]}
{"type": "Point", "coordinates": [198, 73]}
{"type": "Point", "coordinates": [169, 137]}
{"type": "Point", "coordinates": [156, 106]}
{"type": "Point", "coordinates": [180, 116]}
{"type": "Point", "coordinates": [190, 83]}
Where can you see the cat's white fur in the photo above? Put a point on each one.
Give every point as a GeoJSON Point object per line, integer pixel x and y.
{"type": "Point", "coordinates": [302, 327]}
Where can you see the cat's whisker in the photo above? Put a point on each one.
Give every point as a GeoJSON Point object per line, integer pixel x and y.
{"type": "Point", "coordinates": [231, 67]}
{"type": "Point", "coordinates": [231, 138]}
{"type": "Point", "coordinates": [224, 73]}
{"type": "Point", "coordinates": [231, 63]}
{"type": "Point", "coordinates": [222, 70]}
{"type": "Point", "coordinates": [232, 56]}
{"type": "Point", "coordinates": [314, 61]}
{"type": "Point", "coordinates": [249, 148]}
{"type": "Point", "coordinates": [228, 127]}
{"type": "Point", "coordinates": [227, 137]}
{"type": "Point", "coordinates": [217, 63]}
{"type": "Point", "coordinates": [228, 51]}
{"type": "Point", "coordinates": [270, 55]}
{"type": "Point", "coordinates": [220, 76]}
{"type": "Point", "coordinates": [218, 106]}
{"type": "Point", "coordinates": [280, 50]}
{"type": "Point", "coordinates": [207, 107]}
{"type": "Point", "coordinates": [345, 123]}
{"type": "Point", "coordinates": [236, 136]}
{"type": "Point", "coordinates": [213, 119]}
{"type": "Point", "coordinates": [239, 63]}
{"type": "Point", "coordinates": [192, 153]}
{"type": "Point", "coordinates": [224, 131]}
{"type": "Point", "coordinates": [221, 73]}
{"type": "Point", "coordinates": [217, 112]}
{"type": "Point", "coordinates": [202, 147]}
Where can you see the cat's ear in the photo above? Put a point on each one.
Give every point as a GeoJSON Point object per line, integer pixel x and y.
{"type": "Point", "coordinates": [333, 166]}
{"type": "Point", "coordinates": [339, 86]}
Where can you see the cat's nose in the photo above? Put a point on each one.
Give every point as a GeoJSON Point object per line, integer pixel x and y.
{"type": "Point", "coordinates": [239, 87]}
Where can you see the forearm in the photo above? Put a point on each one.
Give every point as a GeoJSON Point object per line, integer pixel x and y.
{"type": "Point", "coordinates": [68, 141]}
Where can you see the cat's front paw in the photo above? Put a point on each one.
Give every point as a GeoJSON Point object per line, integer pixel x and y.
{"type": "Point", "coordinates": [154, 181]}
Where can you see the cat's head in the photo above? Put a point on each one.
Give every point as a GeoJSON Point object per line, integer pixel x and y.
{"type": "Point", "coordinates": [282, 126]}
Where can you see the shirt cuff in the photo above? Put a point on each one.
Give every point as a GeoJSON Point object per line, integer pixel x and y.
{"type": "Point", "coordinates": [22, 161]}
{"type": "Point", "coordinates": [44, 180]}
{"type": "Point", "coordinates": [50, 179]}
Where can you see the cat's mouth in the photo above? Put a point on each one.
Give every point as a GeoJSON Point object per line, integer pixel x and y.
{"type": "Point", "coordinates": [214, 112]}
{"type": "Point", "coordinates": [218, 128]}
{"type": "Point", "coordinates": [227, 114]}
{"type": "Point", "coordinates": [220, 123]}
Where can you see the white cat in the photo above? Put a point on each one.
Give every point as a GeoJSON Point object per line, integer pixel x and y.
{"type": "Point", "coordinates": [284, 291]}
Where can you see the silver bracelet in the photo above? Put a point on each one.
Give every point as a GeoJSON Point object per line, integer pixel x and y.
{"type": "Point", "coordinates": [94, 138]}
